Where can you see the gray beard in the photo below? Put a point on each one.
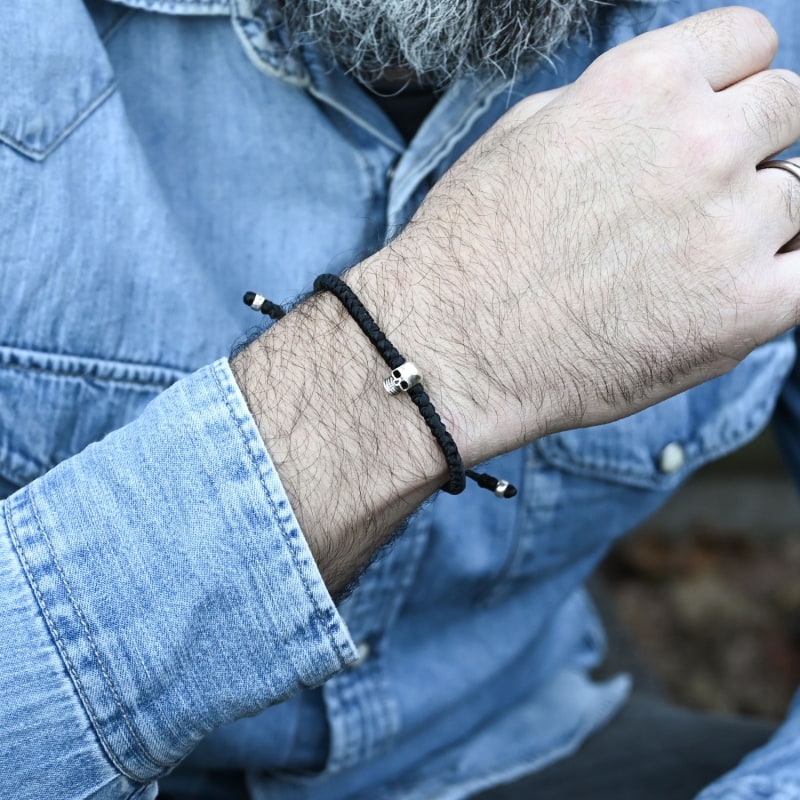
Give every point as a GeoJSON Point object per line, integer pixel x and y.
{"type": "Point", "coordinates": [436, 40]}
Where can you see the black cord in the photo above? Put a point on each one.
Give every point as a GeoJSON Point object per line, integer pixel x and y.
{"type": "Point", "coordinates": [389, 353]}
{"type": "Point", "coordinates": [393, 359]}
{"type": "Point", "coordinates": [260, 303]}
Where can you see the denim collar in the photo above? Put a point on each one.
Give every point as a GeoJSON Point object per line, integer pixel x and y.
{"type": "Point", "coordinates": [258, 23]}
{"type": "Point", "coordinates": [199, 7]}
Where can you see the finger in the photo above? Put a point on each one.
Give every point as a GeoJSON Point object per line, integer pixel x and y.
{"type": "Point", "coordinates": [777, 203]}
{"type": "Point", "coordinates": [727, 45]}
{"type": "Point", "coordinates": [768, 106]}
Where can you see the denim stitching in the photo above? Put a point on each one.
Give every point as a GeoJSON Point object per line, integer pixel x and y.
{"type": "Point", "coordinates": [556, 453]}
{"type": "Point", "coordinates": [271, 58]}
{"type": "Point", "coordinates": [171, 6]}
{"type": "Point", "coordinates": [88, 376]}
{"type": "Point", "coordinates": [112, 687]}
{"type": "Point", "coordinates": [287, 538]}
{"type": "Point", "coordinates": [84, 113]}
{"type": "Point", "coordinates": [119, 23]}
{"type": "Point", "coordinates": [87, 373]}
{"type": "Point", "coordinates": [57, 638]}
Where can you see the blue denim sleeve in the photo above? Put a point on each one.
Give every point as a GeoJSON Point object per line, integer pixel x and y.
{"type": "Point", "coordinates": [153, 588]}
{"type": "Point", "coordinates": [770, 773]}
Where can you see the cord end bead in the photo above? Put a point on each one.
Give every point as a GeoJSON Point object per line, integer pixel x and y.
{"type": "Point", "coordinates": [255, 301]}
{"type": "Point", "coordinates": [501, 488]}
{"type": "Point", "coordinates": [260, 303]}
{"type": "Point", "coordinates": [505, 489]}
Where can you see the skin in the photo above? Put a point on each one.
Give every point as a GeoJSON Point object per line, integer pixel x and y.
{"type": "Point", "coordinates": [598, 250]}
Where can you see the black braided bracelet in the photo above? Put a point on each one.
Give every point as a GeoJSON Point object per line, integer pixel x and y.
{"type": "Point", "coordinates": [404, 377]}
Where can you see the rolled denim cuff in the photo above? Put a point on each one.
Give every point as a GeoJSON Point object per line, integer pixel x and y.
{"type": "Point", "coordinates": [174, 577]}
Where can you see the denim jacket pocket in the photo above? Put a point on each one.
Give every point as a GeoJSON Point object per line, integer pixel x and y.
{"type": "Point", "coordinates": [584, 488]}
{"type": "Point", "coordinates": [52, 406]}
{"type": "Point", "coordinates": [659, 447]}
{"type": "Point", "coordinates": [55, 74]}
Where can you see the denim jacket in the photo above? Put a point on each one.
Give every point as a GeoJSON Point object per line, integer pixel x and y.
{"type": "Point", "coordinates": [158, 602]}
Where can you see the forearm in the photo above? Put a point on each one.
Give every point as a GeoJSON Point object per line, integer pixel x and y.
{"type": "Point", "coordinates": [354, 460]}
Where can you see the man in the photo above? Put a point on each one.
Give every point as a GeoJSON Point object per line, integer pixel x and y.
{"type": "Point", "coordinates": [606, 244]}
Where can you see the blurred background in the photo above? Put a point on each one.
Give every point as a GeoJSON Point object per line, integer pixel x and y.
{"type": "Point", "coordinates": [708, 591]}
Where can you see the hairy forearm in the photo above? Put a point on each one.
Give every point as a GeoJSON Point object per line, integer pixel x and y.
{"type": "Point", "coordinates": [354, 460]}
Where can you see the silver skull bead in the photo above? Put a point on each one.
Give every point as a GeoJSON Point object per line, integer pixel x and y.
{"type": "Point", "coordinates": [402, 378]}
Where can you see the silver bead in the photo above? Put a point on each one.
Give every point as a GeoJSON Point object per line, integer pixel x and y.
{"type": "Point", "coordinates": [402, 378]}
{"type": "Point", "coordinates": [258, 301]}
{"type": "Point", "coordinates": [500, 489]}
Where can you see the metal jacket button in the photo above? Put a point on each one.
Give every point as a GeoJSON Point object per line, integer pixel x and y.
{"type": "Point", "coordinates": [671, 458]}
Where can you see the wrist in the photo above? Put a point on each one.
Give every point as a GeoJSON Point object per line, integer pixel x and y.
{"type": "Point", "coordinates": [354, 461]}
{"type": "Point", "coordinates": [439, 316]}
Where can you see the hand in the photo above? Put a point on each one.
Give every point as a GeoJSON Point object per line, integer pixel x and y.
{"type": "Point", "coordinates": [605, 247]}
{"type": "Point", "coordinates": [599, 249]}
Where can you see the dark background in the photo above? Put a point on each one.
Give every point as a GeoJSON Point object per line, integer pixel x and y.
{"type": "Point", "coordinates": [708, 590]}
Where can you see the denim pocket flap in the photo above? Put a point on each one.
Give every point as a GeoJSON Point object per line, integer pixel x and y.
{"type": "Point", "coordinates": [52, 406]}
{"type": "Point", "coordinates": [658, 447]}
{"type": "Point", "coordinates": [55, 73]}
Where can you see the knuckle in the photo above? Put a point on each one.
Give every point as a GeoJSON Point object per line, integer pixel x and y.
{"type": "Point", "coordinates": [761, 118]}
{"type": "Point", "coordinates": [656, 70]}
{"type": "Point", "coordinates": [755, 22]}
{"type": "Point", "coordinates": [732, 22]}
{"type": "Point", "coordinates": [790, 197]}
{"type": "Point", "coordinates": [773, 109]}
{"type": "Point", "coordinates": [786, 87]}
{"type": "Point", "coordinates": [653, 67]}
{"type": "Point", "coordinates": [705, 147]}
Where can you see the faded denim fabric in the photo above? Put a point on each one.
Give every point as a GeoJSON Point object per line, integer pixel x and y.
{"type": "Point", "coordinates": [158, 603]}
